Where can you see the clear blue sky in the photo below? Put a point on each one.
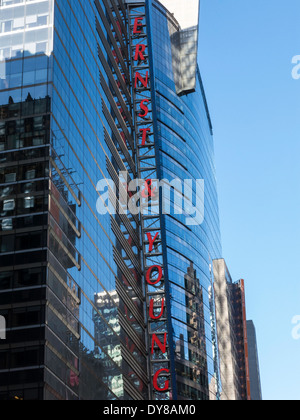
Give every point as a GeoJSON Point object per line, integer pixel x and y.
{"type": "Point", "coordinates": [246, 49]}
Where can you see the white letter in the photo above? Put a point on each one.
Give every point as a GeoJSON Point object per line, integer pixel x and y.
{"type": "Point", "coordinates": [197, 211]}
{"type": "Point", "coordinates": [151, 407]}
{"type": "Point", "coordinates": [295, 71]}
{"type": "Point", "coordinates": [111, 205]}
{"type": "Point", "coordinates": [123, 192]}
{"type": "Point", "coordinates": [177, 204]}
{"type": "Point", "coordinates": [296, 330]}
{"type": "Point", "coordinates": [135, 204]}
{"type": "Point", "coordinates": [134, 410]}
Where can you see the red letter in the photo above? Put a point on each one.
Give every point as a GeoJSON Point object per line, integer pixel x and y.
{"type": "Point", "coordinates": [151, 240]}
{"type": "Point", "coordinates": [130, 348]}
{"type": "Point", "coordinates": [139, 50]}
{"type": "Point", "coordinates": [123, 137]}
{"type": "Point", "coordinates": [137, 25]}
{"type": "Point", "coordinates": [151, 309]}
{"type": "Point", "coordinates": [116, 57]}
{"type": "Point", "coordinates": [138, 77]}
{"type": "Point", "coordinates": [149, 191]}
{"type": "Point", "coordinates": [144, 131]}
{"type": "Point", "coordinates": [132, 375]}
{"type": "Point", "coordinates": [121, 111]}
{"type": "Point", "coordinates": [162, 347]}
{"type": "Point", "coordinates": [150, 281]}
{"type": "Point", "coordinates": [119, 26]}
{"type": "Point", "coordinates": [144, 108]}
{"type": "Point", "coordinates": [155, 381]}
{"type": "Point", "coordinates": [128, 315]}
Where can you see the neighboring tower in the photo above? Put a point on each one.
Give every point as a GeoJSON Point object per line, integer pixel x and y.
{"type": "Point", "coordinates": [232, 334]}
{"type": "Point", "coordinates": [255, 382]}
{"type": "Point", "coordinates": [225, 332]}
{"type": "Point", "coordinates": [240, 329]}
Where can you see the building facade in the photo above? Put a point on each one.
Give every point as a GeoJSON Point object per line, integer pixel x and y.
{"type": "Point", "coordinates": [255, 382]}
{"type": "Point", "coordinates": [101, 301]}
{"type": "Point", "coordinates": [241, 335]}
{"type": "Point", "coordinates": [185, 143]}
{"type": "Point", "coordinates": [232, 334]}
{"type": "Point", "coordinates": [65, 125]}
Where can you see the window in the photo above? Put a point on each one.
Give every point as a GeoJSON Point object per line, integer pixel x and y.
{"type": "Point", "coordinates": [6, 224]}
{"type": "Point", "coordinates": [6, 280]}
{"type": "Point", "coordinates": [29, 202]}
{"type": "Point", "coordinates": [9, 205]}
{"type": "Point", "coordinates": [7, 243]}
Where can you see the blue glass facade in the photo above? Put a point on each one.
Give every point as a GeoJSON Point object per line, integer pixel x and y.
{"type": "Point", "coordinates": [79, 126]}
{"type": "Point", "coordinates": [186, 151]}
{"type": "Point", "coordinates": [72, 279]}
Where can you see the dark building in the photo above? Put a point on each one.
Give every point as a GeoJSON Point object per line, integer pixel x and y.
{"type": "Point", "coordinates": [66, 124]}
{"type": "Point", "coordinates": [103, 302]}
{"type": "Point", "coordinates": [255, 382]}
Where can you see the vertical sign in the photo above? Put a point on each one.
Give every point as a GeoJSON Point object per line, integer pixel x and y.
{"type": "Point", "coordinates": [157, 328]}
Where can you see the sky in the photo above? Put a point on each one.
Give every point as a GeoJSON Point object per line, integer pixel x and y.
{"type": "Point", "coordinates": [246, 51]}
{"type": "Point", "coordinates": [186, 16]}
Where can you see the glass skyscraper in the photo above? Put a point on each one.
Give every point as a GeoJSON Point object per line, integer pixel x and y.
{"type": "Point", "coordinates": [70, 279]}
{"type": "Point", "coordinates": [186, 151]}
{"type": "Point", "coordinates": [78, 281]}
